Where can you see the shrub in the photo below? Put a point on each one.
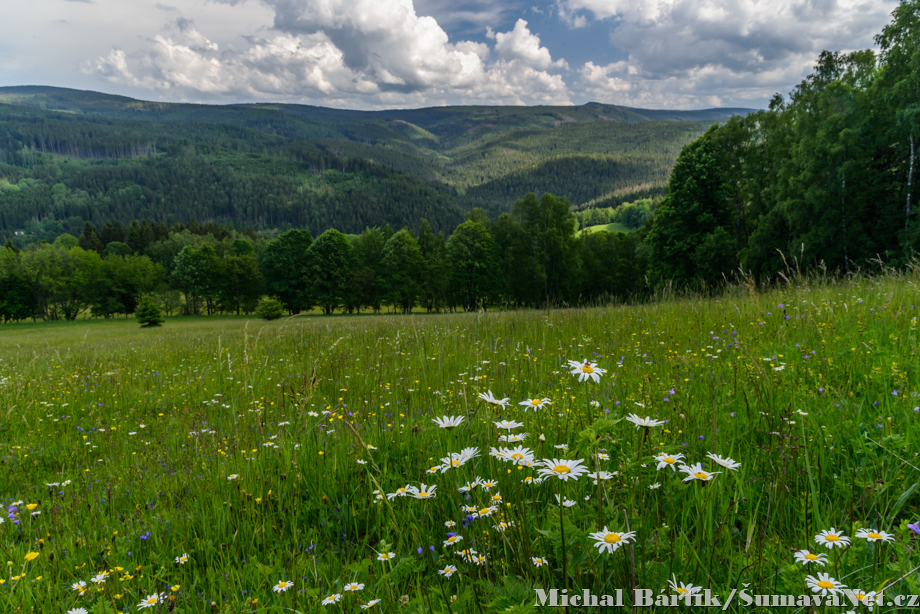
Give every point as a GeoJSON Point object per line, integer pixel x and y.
{"type": "Point", "coordinates": [148, 313]}
{"type": "Point", "coordinates": [270, 309]}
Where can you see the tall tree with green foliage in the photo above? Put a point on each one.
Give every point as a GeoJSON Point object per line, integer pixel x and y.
{"type": "Point", "coordinates": [284, 267]}
{"type": "Point", "coordinates": [330, 262]}
{"type": "Point", "coordinates": [402, 265]}
{"type": "Point", "coordinates": [472, 265]}
{"type": "Point", "coordinates": [696, 205]}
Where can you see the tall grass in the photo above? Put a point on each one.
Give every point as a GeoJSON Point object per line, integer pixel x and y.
{"type": "Point", "coordinates": [812, 388]}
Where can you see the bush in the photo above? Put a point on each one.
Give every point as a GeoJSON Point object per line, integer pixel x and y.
{"type": "Point", "coordinates": [270, 309]}
{"type": "Point", "coordinates": [148, 313]}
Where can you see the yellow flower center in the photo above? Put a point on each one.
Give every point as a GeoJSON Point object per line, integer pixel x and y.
{"type": "Point", "coordinates": [611, 538]}
{"type": "Point", "coordinates": [400, 491]}
{"type": "Point", "coordinates": [497, 498]}
{"type": "Point", "coordinates": [452, 539]}
{"type": "Point", "coordinates": [811, 557]}
{"type": "Point", "coordinates": [682, 591]}
{"type": "Point", "coordinates": [517, 456]}
{"type": "Point", "coordinates": [535, 402]}
{"type": "Point", "coordinates": [587, 368]}
{"type": "Point", "coordinates": [825, 584]}
{"type": "Point", "coordinates": [700, 475]}
{"type": "Point", "coordinates": [874, 536]}
{"type": "Point", "coordinates": [151, 600]}
{"type": "Point", "coordinates": [561, 469]}
{"type": "Point", "coordinates": [282, 584]}
{"type": "Point", "coordinates": [860, 596]}
{"type": "Point", "coordinates": [455, 463]}
{"type": "Point", "coordinates": [669, 460]}
{"type": "Point", "coordinates": [831, 538]}
{"type": "Point", "coordinates": [423, 494]}
{"type": "Point", "coordinates": [484, 511]}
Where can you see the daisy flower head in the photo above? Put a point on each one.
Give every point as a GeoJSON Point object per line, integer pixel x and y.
{"type": "Point", "coordinates": [354, 586]}
{"type": "Point", "coordinates": [77, 611]}
{"type": "Point", "coordinates": [594, 404]}
{"type": "Point", "coordinates": [534, 404]}
{"type": "Point", "coordinates": [78, 586]}
{"type": "Point", "coordinates": [485, 512]}
{"type": "Point", "coordinates": [448, 571]}
{"type": "Point", "coordinates": [611, 540]}
{"type": "Point", "coordinates": [386, 556]}
{"type": "Point", "coordinates": [645, 422]}
{"type": "Point", "coordinates": [502, 526]}
{"type": "Point", "coordinates": [149, 601]}
{"type": "Point", "coordinates": [448, 422]}
{"type": "Point", "coordinates": [724, 462]}
{"type": "Point", "coordinates": [233, 476]}
{"type": "Point", "coordinates": [520, 455]}
{"type": "Point", "coordinates": [874, 536]}
{"type": "Point", "coordinates": [452, 539]}
{"type": "Point", "coordinates": [586, 370]}
{"type": "Point", "coordinates": [564, 502]}
{"type": "Point", "coordinates": [866, 599]}
{"type": "Point", "coordinates": [370, 604]}
{"type": "Point", "coordinates": [488, 485]}
{"type": "Point", "coordinates": [479, 559]}
{"type": "Point", "coordinates": [807, 558]}
{"type": "Point", "coordinates": [696, 472]}
{"type": "Point", "coordinates": [602, 456]}
{"type": "Point", "coordinates": [668, 460]}
{"type": "Point", "coordinates": [654, 486]}
{"type": "Point", "coordinates": [601, 475]}
{"type": "Point", "coordinates": [538, 561]}
{"type": "Point", "coordinates": [450, 523]}
{"type": "Point", "coordinates": [508, 425]}
{"type": "Point", "coordinates": [489, 398]}
{"type": "Point", "coordinates": [422, 492]}
{"type": "Point", "coordinates": [683, 589]}
{"type": "Point", "coordinates": [99, 578]}
{"type": "Point", "coordinates": [499, 453]}
{"type": "Point", "coordinates": [282, 586]}
{"type": "Point", "coordinates": [563, 469]}
{"type": "Point", "coordinates": [332, 599]}
{"type": "Point", "coordinates": [400, 492]}
{"type": "Point", "coordinates": [469, 486]}
{"type": "Point", "coordinates": [182, 560]}
{"type": "Point", "coordinates": [513, 438]}
{"type": "Point", "coordinates": [832, 538]}
{"type": "Point", "coordinates": [824, 584]}
{"type": "Point", "coordinates": [467, 555]}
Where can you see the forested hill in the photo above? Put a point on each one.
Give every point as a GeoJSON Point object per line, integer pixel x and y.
{"type": "Point", "coordinates": [69, 156]}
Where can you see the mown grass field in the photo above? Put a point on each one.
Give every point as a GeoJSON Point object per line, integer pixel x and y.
{"type": "Point", "coordinates": [231, 465]}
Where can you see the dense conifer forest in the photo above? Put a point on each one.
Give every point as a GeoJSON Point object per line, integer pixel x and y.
{"type": "Point", "coordinates": [105, 199]}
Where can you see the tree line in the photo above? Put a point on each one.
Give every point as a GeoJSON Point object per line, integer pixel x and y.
{"type": "Point", "coordinates": [529, 257]}
{"type": "Point", "coordinates": [825, 178]}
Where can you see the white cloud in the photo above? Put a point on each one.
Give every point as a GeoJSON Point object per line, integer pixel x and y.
{"type": "Point", "coordinates": [694, 52]}
{"type": "Point", "coordinates": [355, 52]}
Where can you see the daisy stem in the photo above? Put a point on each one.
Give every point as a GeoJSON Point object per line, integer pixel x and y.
{"type": "Point", "coordinates": [565, 568]}
{"type": "Point", "coordinates": [444, 594]}
{"type": "Point", "coordinates": [641, 443]}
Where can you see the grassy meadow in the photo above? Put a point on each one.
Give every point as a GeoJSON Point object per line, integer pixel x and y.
{"type": "Point", "coordinates": [232, 465]}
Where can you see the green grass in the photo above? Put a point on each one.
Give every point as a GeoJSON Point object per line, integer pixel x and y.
{"type": "Point", "coordinates": [614, 227]}
{"type": "Point", "coordinates": [812, 388]}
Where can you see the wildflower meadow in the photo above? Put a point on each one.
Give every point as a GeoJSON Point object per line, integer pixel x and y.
{"type": "Point", "coordinates": [458, 463]}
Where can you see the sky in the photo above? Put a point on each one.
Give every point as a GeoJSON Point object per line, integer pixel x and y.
{"type": "Point", "coordinates": [378, 54]}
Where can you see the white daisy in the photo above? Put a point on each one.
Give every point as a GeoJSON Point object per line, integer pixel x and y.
{"type": "Point", "coordinates": [354, 586]}
{"type": "Point", "coordinates": [453, 539]}
{"type": "Point", "coordinates": [422, 492]}
{"type": "Point", "coordinates": [585, 370]}
{"type": "Point", "coordinates": [520, 455]}
{"type": "Point", "coordinates": [489, 398]}
{"type": "Point", "coordinates": [807, 558]}
{"type": "Point", "coordinates": [667, 460]}
{"type": "Point", "coordinates": [513, 438]}
{"type": "Point", "coordinates": [386, 556]}
{"type": "Point", "coordinates": [563, 469]}
{"type": "Point", "coordinates": [696, 472]}
{"type": "Point", "coordinates": [332, 599]}
{"type": "Point", "coordinates": [683, 589]}
{"type": "Point", "coordinates": [646, 422]}
{"type": "Point", "coordinates": [725, 462]}
{"type": "Point", "coordinates": [149, 601]}
{"type": "Point", "coordinates": [370, 604]}
{"type": "Point", "coordinates": [448, 571]}
{"type": "Point", "coordinates": [448, 422]}
{"type": "Point", "coordinates": [535, 404]}
{"type": "Point", "coordinates": [282, 586]}
{"type": "Point", "coordinates": [538, 561]}
{"type": "Point", "coordinates": [611, 540]}
{"type": "Point", "coordinates": [874, 536]}
{"type": "Point", "coordinates": [832, 538]}
{"type": "Point", "coordinates": [824, 584]}
{"type": "Point", "coordinates": [182, 560]}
